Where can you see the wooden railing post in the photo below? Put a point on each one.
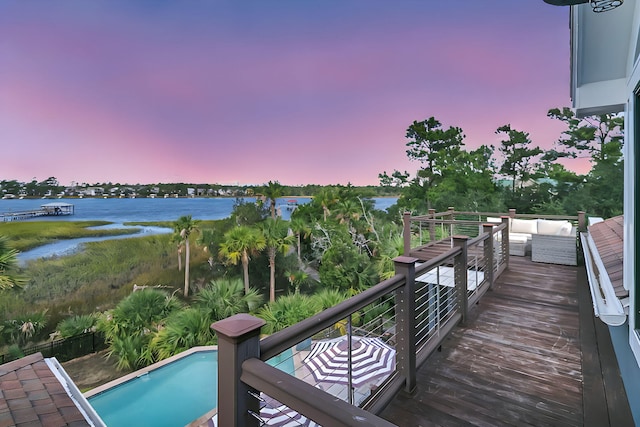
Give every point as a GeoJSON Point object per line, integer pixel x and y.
{"type": "Point", "coordinates": [452, 217]}
{"type": "Point", "coordinates": [406, 321]}
{"type": "Point", "coordinates": [505, 239]}
{"type": "Point", "coordinates": [432, 225]}
{"type": "Point", "coordinates": [406, 232]}
{"type": "Point", "coordinates": [512, 213]}
{"type": "Point", "coordinates": [238, 340]}
{"type": "Point", "coordinates": [582, 221]}
{"type": "Point", "coordinates": [489, 254]}
{"type": "Point", "coordinates": [460, 274]}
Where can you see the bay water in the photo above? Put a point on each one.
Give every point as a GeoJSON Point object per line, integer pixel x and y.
{"type": "Point", "coordinates": [119, 211]}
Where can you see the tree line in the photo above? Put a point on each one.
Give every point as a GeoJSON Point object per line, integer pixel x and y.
{"type": "Point", "coordinates": [338, 244]}
{"type": "Point", "coordinates": [516, 173]}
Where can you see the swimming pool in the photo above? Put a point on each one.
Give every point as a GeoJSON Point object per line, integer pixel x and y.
{"type": "Point", "coordinates": [173, 394]}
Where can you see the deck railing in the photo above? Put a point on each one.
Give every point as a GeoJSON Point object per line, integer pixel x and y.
{"type": "Point", "coordinates": [407, 316]}
{"type": "Point", "coordinates": [436, 226]}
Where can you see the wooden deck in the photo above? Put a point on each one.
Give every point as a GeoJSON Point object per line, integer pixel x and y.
{"type": "Point", "coordinates": [531, 354]}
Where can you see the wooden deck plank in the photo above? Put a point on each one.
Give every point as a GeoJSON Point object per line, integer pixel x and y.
{"type": "Point", "coordinates": [517, 361]}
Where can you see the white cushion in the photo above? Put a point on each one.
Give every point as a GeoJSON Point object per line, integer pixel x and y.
{"type": "Point", "coordinates": [566, 230]}
{"type": "Point", "coordinates": [494, 219]}
{"type": "Point", "coordinates": [519, 238]}
{"type": "Point", "coordinates": [550, 227]}
{"type": "Point", "coordinates": [525, 226]}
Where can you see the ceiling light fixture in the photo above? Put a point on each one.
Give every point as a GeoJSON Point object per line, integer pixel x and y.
{"type": "Point", "coordinates": [605, 5]}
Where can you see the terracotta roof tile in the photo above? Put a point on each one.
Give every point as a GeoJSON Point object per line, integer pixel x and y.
{"type": "Point", "coordinates": [608, 237]}
{"type": "Point", "coordinates": [53, 420]}
{"type": "Point", "coordinates": [31, 395]}
{"type": "Point", "coordinates": [46, 408]}
{"type": "Point", "coordinates": [36, 423]}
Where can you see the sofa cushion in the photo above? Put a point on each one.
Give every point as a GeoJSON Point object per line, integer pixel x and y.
{"type": "Point", "coordinates": [524, 226]}
{"type": "Point", "coordinates": [519, 237]}
{"type": "Point", "coordinates": [554, 228]}
{"type": "Point", "coordinates": [566, 230]}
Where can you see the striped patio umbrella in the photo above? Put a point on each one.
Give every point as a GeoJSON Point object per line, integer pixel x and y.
{"type": "Point", "coordinates": [274, 413]}
{"type": "Point", "coordinates": [371, 360]}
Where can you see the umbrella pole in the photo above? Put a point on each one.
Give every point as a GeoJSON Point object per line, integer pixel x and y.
{"type": "Point", "coordinates": [350, 391]}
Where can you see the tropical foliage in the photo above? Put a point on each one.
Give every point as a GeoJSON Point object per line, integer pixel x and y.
{"type": "Point", "coordinates": [76, 325]}
{"type": "Point", "coordinates": [130, 326]}
{"type": "Point", "coordinates": [225, 297]}
{"type": "Point", "coordinates": [9, 266]}
{"type": "Point", "coordinates": [21, 329]}
{"type": "Point", "coordinates": [182, 330]}
{"type": "Point", "coordinates": [288, 310]}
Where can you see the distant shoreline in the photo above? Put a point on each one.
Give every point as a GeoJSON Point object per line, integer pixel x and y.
{"type": "Point", "coordinates": [171, 197]}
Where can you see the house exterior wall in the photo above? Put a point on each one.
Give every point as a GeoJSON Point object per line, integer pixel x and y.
{"type": "Point", "coordinates": [591, 34]}
{"type": "Point", "coordinates": [628, 367]}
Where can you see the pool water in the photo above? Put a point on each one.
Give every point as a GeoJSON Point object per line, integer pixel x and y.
{"type": "Point", "coordinates": [171, 395]}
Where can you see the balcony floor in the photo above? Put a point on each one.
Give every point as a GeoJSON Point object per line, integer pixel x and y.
{"type": "Point", "coordinates": [529, 354]}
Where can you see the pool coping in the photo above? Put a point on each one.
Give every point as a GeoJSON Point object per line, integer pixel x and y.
{"type": "Point", "coordinates": [128, 377]}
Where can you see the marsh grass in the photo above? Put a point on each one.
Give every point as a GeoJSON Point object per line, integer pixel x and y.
{"type": "Point", "coordinates": [99, 276]}
{"type": "Point", "coordinates": [25, 235]}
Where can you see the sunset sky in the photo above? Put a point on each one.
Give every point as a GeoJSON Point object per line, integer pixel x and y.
{"type": "Point", "coordinates": [247, 91]}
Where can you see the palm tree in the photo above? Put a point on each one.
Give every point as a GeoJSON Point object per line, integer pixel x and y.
{"type": "Point", "coordinates": [388, 248]}
{"type": "Point", "coordinates": [179, 246]}
{"type": "Point", "coordinates": [301, 229]}
{"type": "Point", "coordinates": [297, 278]}
{"type": "Point", "coordinates": [183, 228]}
{"type": "Point", "coordinates": [239, 243]}
{"type": "Point", "coordinates": [327, 197]}
{"type": "Point", "coordinates": [346, 210]}
{"type": "Point", "coordinates": [8, 266]}
{"type": "Point", "coordinates": [225, 297]}
{"type": "Point", "coordinates": [272, 191]}
{"type": "Point", "coordinates": [277, 238]}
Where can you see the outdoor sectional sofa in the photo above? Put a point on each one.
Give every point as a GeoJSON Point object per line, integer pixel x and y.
{"type": "Point", "coordinates": [548, 241]}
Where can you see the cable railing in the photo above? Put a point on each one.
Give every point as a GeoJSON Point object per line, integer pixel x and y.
{"type": "Point", "coordinates": [435, 227]}
{"type": "Point", "coordinates": [345, 364]}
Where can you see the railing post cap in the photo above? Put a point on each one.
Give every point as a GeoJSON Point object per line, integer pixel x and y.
{"type": "Point", "coordinates": [460, 237]}
{"type": "Point", "coordinates": [238, 326]}
{"type": "Point", "coordinates": [405, 260]}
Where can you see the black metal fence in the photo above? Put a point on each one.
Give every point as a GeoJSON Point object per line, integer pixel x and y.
{"type": "Point", "coordinates": [63, 349]}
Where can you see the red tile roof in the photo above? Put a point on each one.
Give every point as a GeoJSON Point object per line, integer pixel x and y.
{"type": "Point", "coordinates": [608, 237]}
{"type": "Point", "coordinates": [31, 395]}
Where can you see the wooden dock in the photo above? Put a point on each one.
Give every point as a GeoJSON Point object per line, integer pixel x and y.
{"type": "Point", "coordinates": [528, 356]}
{"type": "Point", "coordinates": [49, 209]}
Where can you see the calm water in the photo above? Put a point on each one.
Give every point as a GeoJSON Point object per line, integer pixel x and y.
{"type": "Point", "coordinates": [144, 209]}
{"type": "Point", "coordinates": [119, 211]}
